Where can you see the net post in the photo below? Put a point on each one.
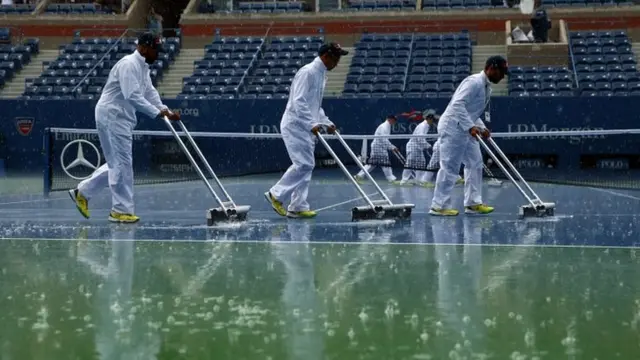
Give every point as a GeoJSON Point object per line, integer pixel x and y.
{"type": "Point", "coordinates": [47, 153]}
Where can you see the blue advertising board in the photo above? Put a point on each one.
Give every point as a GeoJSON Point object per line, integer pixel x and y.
{"type": "Point", "coordinates": [24, 122]}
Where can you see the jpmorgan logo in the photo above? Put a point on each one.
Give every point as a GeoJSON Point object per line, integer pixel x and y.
{"type": "Point", "coordinates": [573, 140]}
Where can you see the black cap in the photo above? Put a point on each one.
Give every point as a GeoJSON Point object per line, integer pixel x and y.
{"type": "Point", "coordinates": [151, 40]}
{"type": "Point", "coordinates": [497, 62]}
{"type": "Point", "coordinates": [392, 117]}
{"type": "Point", "coordinates": [332, 48]}
{"type": "Point", "coordinates": [430, 114]}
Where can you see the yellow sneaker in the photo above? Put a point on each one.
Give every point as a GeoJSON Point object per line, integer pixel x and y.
{"type": "Point", "coordinates": [123, 218]}
{"type": "Point", "coordinates": [460, 181]}
{"type": "Point", "coordinates": [443, 212]}
{"type": "Point", "coordinates": [306, 214]}
{"type": "Point", "coordinates": [82, 204]}
{"type": "Point", "coordinates": [359, 179]}
{"type": "Point", "coordinates": [478, 209]}
{"type": "Point", "coordinates": [275, 204]}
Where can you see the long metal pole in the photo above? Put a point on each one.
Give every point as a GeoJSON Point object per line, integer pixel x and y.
{"type": "Point", "coordinates": [355, 158]}
{"type": "Point", "coordinates": [193, 162]}
{"type": "Point", "coordinates": [513, 168]}
{"type": "Point", "coordinates": [499, 163]}
{"type": "Point", "coordinates": [346, 172]}
{"type": "Point", "coordinates": [205, 162]}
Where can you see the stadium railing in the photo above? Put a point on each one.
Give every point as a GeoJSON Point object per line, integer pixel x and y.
{"type": "Point", "coordinates": [572, 57]}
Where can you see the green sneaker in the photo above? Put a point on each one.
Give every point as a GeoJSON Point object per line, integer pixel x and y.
{"type": "Point", "coordinates": [275, 204]}
{"type": "Point", "coordinates": [305, 214]}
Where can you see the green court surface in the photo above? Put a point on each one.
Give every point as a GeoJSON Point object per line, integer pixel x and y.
{"type": "Point", "coordinates": [91, 299]}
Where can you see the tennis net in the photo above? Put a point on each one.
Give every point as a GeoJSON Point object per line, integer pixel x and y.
{"type": "Point", "coordinates": [601, 158]}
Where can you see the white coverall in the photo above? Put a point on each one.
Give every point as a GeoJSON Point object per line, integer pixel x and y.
{"type": "Point", "coordinates": [128, 89]}
{"type": "Point", "coordinates": [415, 153]}
{"type": "Point", "coordinates": [303, 113]}
{"type": "Point", "coordinates": [380, 148]}
{"type": "Point", "coordinates": [457, 147]}
{"type": "Point", "coordinates": [434, 165]}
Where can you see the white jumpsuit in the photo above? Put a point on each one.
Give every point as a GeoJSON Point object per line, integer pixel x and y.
{"type": "Point", "coordinates": [128, 89]}
{"type": "Point", "coordinates": [415, 154]}
{"type": "Point", "coordinates": [303, 112]}
{"type": "Point", "coordinates": [380, 148]}
{"type": "Point", "coordinates": [457, 147]}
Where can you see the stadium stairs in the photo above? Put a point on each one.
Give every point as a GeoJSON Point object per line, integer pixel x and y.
{"type": "Point", "coordinates": [636, 49]}
{"type": "Point", "coordinates": [337, 77]}
{"type": "Point", "coordinates": [480, 54]}
{"type": "Point", "coordinates": [182, 67]}
{"type": "Point", "coordinates": [16, 86]}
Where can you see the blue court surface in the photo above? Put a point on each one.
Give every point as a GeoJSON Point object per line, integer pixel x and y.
{"type": "Point", "coordinates": [176, 212]}
{"type": "Point", "coordinates": [470, 287]}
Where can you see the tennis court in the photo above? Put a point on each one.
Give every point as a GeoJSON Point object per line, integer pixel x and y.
{"type": "Point", "coordinates": [471, 287]}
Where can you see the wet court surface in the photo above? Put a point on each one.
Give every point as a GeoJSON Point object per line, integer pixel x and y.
{"type": "Point", "coordinates": [471, 287]}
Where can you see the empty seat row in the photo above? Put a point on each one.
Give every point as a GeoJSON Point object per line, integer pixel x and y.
{"type": "Point", "coordinates": [211, 80]}
{"type": "Point", "coordinates": [604, 60]}
{"type": "Point", "coordinates": [606, 68]}
{"type": "Point", "coordinates": [270, 5]}
{"type": "Point", "coordinates": [380, 79]}
{"type": "Point", "coordinates": [17, 9]}
{"type": "Point", "coordinates": [602, 50]}
{"type": "Point", "coordinates": [268, 80]}
{"type": "Point", "coordinates": [598, 34]}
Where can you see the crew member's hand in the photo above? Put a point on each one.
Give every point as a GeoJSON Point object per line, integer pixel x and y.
{"type": "Point", "coordinates": [316, 129]}
{"type": "Point", "coordinates": [170, 115]}
{"type": "Point", "coordinates": [474, 131]}
{"type": "Point", "coordinates": [331, 129]}
{"type": "Point", "coordinates": [486, 133]}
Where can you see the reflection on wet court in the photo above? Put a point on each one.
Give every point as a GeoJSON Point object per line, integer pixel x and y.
{"type": "Point", "coordinates": [471, 287]}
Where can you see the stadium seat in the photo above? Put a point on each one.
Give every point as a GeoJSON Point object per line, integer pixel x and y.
{"type": "Point", "coordinates": [604, 62]}
{"type": "Point", "coordinates": [17, 9]}
{"type": "Point", "coordinates": [545, 80]}
{"type": "Point", "coordinates": [83, 66]}
{"type": "Point", "coordinates": [422, 64]}
{"type": "Point", "coordinates": [256, 7]}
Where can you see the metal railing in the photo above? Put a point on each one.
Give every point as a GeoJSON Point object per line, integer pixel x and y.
{"type": "Point", "coordinates": [571, 56]}
{"type": "Point", "coordinates": [255, 57]}
{"type": "Point", "coordinates": [100, 61]}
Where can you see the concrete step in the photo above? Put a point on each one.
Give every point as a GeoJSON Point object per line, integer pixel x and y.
{"type": "Point", "coordinates": [16, 86]}
{"type": "Point", "coordinates": [171, 84]}
{"type": "Point", "coordinates": [337, 77]}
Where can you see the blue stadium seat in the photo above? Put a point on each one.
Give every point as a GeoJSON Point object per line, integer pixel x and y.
{"type": "Point", "coordinates": [83, 65]}
{"type": "Point", "coordinates": [17, 9]}
{"type": "Point", "coordinates": [545, 80]}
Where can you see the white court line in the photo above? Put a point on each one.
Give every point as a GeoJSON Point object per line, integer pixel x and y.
{"type": "Point", "coordinates": [615, 193]}
{"type": "Point", "coordinates": [325, 242]}
{"type": "Point", "coordinates": [342, 203]}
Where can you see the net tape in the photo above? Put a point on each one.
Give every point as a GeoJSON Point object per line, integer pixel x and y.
{"type": "Point", "coordinates": [231, 156]}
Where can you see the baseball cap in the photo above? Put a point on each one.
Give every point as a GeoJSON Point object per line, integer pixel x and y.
{"type": "Point", "coordinates": [497, 62]}
{"type": "Point", "coordinates": [149, 39]}
{"type": "Point", "coordinates": [393, 117]}
{"type": "Point", "coordinates": [430, 113]}
{"type": "Point", "coordinates": [332, 48]}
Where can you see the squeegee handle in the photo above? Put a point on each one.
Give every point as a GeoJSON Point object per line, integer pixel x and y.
{"type": "Point", "coordinates": [193, 161]}
{"type": "Point", "coordinates": [345, 170]}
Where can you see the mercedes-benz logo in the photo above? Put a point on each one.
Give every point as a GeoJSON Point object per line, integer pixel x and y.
{"type": "Point", "coordinates": [80, 159]}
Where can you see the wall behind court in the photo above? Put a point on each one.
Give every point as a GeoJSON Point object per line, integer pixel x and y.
{"type": "Point", "coordinates": [24, 123]}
